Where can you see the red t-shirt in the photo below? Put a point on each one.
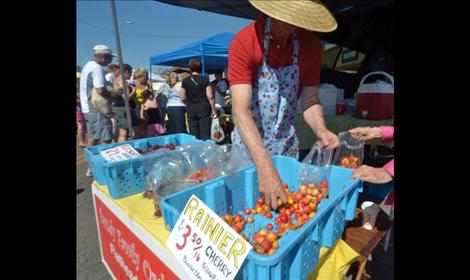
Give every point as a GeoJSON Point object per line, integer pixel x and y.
{"type": "Point", "coordinates": [245, 55]}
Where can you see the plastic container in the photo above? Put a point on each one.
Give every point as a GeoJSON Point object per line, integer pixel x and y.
{"type": "Point", "coordinates": [127, 177]}
{"type": "Point", "coordinates": [375, 101]}
{"type": "Point", "coordinates": [298, 250]}
{"type": "Point", "coordinates": [378, 190]}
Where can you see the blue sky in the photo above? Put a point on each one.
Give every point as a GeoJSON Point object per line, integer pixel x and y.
{"type": "Point", "coordinates": [158, 27]}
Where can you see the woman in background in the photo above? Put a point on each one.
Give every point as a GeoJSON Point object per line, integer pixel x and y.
{"type": "Point", "coordinates": [142, 90]}
{"type": "Point", "coordinates": [81, 130]}
{"type": "Point", "coordinates": [200, 105]}
{"type": "Point", "coordinates": [175, 107]}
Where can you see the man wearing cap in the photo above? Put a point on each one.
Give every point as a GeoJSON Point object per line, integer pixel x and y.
{"type": "Point", "coordinates": [99, 127]}
{"type": "Point", "coordinates": [273, 62]}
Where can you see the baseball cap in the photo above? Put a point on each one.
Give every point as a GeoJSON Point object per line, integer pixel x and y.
{"type": "Point", "coordinates": [103, 49]}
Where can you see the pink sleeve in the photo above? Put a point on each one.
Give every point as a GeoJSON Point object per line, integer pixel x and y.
{"type": "Point", "coordinates": [386, 133]}
{"type": "Point", "coordinates": [390, 167]}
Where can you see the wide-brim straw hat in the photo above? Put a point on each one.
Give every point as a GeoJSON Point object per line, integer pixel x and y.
{"type": "Point", "coordinates": [309, 14]}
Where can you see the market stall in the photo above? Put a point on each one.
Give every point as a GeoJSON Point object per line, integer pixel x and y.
{"type": "Point", "coordinates": [212, 52]}
{"type": "Point", "coordinates": [134, 241]}
{"type": "Point", "coordinates": [297, 241]}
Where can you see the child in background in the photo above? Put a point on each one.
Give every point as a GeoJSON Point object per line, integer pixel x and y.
{"type": "Point", "coordinates": [152, 114]}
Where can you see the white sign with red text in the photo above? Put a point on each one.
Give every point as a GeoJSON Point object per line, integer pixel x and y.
{"type": "Point", "coordinates": [120, 153]}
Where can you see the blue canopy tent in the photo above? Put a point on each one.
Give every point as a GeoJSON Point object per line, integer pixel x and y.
{"type": "Point", "coordinates": [212, 51]}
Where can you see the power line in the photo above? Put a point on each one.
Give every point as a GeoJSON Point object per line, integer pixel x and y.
{"type": "Point", "coordinates": [150, 35]}
{"type": "Point", "coordinates": [137, 34]}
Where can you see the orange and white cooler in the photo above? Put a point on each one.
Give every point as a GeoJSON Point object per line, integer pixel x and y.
{"type": "Point", "coordinates": [375, 101]}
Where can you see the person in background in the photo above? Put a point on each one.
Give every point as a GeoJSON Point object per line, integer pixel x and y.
{"type": "Point", "coordinates": [175, 107]}
{"type": "Point", "coordinates": [151, 113]}
{"type": "Point", "coordinates": [219, 87]}
{"type": "Point", "coordinates": [375, 175]}
{"type": "Point", "coordinates": [99, 127]}
{"type": "Point", "coordinates": [227, 98]}
{"type": "Point", "coordinates": [272, 63]}
{"type": "Point", "coordinates": [81, 131]}
{"type": "Point", "coordinates": [200, 106]}
{"type": "Point", "coordinates": [113, 73]}
{"type": "Point", "coordinates": [119, 105]}
{"type": "Point", "coordinates": [142, 89]}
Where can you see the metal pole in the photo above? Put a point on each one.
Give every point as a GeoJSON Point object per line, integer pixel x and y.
{"type": "Point", "coordinates": [337, 57]}
{"type": "Point", "coordinates": [121, 66]}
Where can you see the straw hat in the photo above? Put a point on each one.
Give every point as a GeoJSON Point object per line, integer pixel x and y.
{"type": "Point", "coordinates": [308, 14]}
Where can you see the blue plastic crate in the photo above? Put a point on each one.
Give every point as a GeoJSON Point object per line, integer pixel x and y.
{"type": "Point", "coordinates": [127, 177]}
{"type": "Point", "coordinates": [378, 190]}
{"type": "Point", "coordinates": [298, 250]}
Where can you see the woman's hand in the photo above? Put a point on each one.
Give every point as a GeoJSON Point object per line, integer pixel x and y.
{"type": "Point", "coordinates": [365, 133]}
{"type": "Point", "coordinates": [150, 104]}
{"type": "Point", "coordinates": [269, 184]}
{"type": "Point", "coordinates": [375, 175]}
{"type": "Point", "coordinates": [328, 138]}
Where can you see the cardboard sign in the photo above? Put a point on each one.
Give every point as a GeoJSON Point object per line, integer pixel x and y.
{"type": "Point", "coordinates": [120, 153]}
{"type": "Point", "coordinates": [207, 246]}
{"type": "Point", "coordinates": [126, 256]}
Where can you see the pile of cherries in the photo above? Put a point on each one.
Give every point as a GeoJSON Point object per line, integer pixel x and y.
{"type": "Point", "coordinates": [301, 206]}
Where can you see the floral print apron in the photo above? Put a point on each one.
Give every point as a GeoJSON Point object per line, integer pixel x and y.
{"type": "Point", "coordinates": [274, 103]}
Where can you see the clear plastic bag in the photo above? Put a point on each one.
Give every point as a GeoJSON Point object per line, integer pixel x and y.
{"type": "Point", "coordinates": [239, 158]}
{"type": "Point", "coordinates": [166, 166]}
{"type": "Point", "coordinates": [350, 152]}
{"type": "Point", "coordinates": [217, 133]}
{"type": "Point", "coordinates": [172, 171]}
{"type": "Point", "coordinates": [315, 167]}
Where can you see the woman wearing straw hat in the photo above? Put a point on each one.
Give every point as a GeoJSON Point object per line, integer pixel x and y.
{"type": "Point", "coordinates": [272, 62]}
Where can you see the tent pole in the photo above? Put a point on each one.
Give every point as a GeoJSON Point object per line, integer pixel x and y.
{"type": "Point", "coordinates": [121, 66]}
{"type": "Point", "coordinates": [203, 64]}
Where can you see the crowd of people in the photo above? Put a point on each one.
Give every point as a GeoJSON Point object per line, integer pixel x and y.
{"type": "Point", "coordinates": [186, 103]}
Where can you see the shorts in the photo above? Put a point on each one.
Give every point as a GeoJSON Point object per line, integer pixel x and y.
{"type": "Point", "coordinates": [80, 117]}
{"type": "Point", "coordinates": [121, 117]}
{"type": "Point", "coordinates": [99, 127]}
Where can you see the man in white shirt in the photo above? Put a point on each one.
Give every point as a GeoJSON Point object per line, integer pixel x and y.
{"type": "Point", "coordinates": [99, 127]}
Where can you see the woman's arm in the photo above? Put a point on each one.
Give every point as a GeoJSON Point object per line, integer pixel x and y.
{"type": "Point", "coordinates": [389, 167]}
{"type": "Point", "coordinates": [210, 97]}
{"type": "Point", "coordinates": [269, 182]}
{"type": "Point", "coordinates": [131, 92]}
{"type": "Point", "coordinates": [182, 93]}
{"type": "Point", "coordinates": [386, 133]}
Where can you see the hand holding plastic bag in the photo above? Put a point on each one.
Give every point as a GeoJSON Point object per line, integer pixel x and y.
{"type": "Point", "coordinates": [315, 167]}
{"type": "Point", "coordinates": [350, 153]}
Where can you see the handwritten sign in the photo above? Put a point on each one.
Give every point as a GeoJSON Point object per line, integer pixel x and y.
{"type": "Point", "coordinates": [120, 153]}
{"type": "Point", "coordinates": [207, 246]}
